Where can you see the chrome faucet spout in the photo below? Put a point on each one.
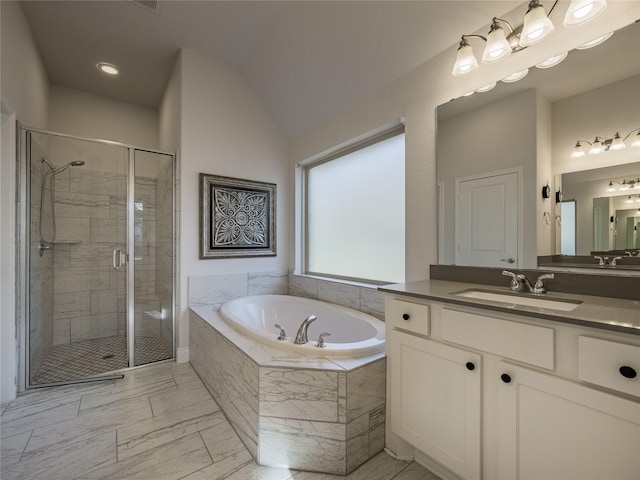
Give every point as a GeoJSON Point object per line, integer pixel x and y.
{"type": "Point", "coordinates": [301, 336]}
{"type": "Point", "coordinates": [522, 278]}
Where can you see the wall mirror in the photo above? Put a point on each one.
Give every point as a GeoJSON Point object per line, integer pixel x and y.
{"type": "Point", "coordinates": [501, 151]}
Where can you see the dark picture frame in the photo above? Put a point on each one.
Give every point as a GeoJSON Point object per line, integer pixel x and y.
{"type": "Point", "coordinates": [237, 217]}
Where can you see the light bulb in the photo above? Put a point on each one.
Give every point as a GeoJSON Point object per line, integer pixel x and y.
{"type": "Point", "coordinates": [617, 143]}
{"type": "Point", "coordinates": [578, 151]}
{"type": "Point", "coordinates": [107, 68]}
{"type": "Point", "coordinates": [537, 25]}
{"type": "Point", "coordinates": [514, 77]}
{"type": "Point", "coordinates": [498, 47]}
{"type": "Point", "coordinates": [596, 147]}
{"type": "Point", "coordinates": [595, 42]}
{"type": "Point", "coordinates": [552, 61]}
{"type": "Point", "coordinates": [581, 11]}
{"type": "Point", "coordinates": [465, 60]}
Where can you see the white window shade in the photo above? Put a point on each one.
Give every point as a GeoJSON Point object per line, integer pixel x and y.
{"type": "Point", "coordinates": [356, 214]}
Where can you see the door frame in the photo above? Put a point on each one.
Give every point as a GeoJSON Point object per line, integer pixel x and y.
{"type": "Point", "coordinates": [24, 221]}
{"type": "Point", "coordinates": [519, 171]}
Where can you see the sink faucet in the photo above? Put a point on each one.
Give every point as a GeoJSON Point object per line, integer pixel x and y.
{"type": "Point", "coordinates": [602, 261]}
{"type": "Point", "coordinates": [301, 336]}
{"type": "Point", "coordinates": [515, 286]}
{"type": "Point", "coordinates": [522, 278]}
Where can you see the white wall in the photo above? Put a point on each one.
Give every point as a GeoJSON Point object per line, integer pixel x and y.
{"type": "Point", "coordinates": [416, 96]}
{"type": "Point", "coordinates": [24, 91]}
{"type": "Point", "coordinates": [87, 115]}
{"type": "Point", "coordinates": [226, 130]}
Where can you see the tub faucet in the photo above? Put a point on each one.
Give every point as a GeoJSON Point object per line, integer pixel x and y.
{"type": "Point", "coordinates": [301, 336]}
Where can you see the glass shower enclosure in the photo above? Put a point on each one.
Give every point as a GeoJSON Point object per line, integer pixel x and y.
{"type": "Point", "coordinates": [100, 257]}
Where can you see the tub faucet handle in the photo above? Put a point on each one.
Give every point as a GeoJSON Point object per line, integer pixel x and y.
{"type": "Point", "coordinates": [320, 343]}
{"type": "Point", "coordinates": [283, 335]}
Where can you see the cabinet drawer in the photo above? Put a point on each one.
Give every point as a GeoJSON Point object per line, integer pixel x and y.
{"type": "Point", "coordinates": [408, 316]}
{"type": "Point", "coordinates": [518, 341]}
{"type": "Point", "coordinates": [609, 364]}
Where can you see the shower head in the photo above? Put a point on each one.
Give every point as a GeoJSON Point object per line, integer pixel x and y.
{"type": "Point", "coordinates": [75, 163]}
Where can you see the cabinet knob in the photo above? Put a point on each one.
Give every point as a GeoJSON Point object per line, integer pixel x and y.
{"type": "Point", "coordinates": [505, 377]}
{"type": "Point", "coordinates": [405, 316]}
{"type": "Point", "coordinates": [628, 372]}
{"type": "Point", "coordinates": [470, 366]}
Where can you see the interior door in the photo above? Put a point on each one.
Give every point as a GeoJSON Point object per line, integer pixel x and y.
{"type": "Point", "coordinates": [487, 213]}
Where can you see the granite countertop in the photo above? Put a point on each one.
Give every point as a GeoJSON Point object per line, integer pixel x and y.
{"type": "Point", "coordinates": [598, 312]}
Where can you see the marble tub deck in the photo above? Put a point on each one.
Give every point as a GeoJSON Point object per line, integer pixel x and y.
{"type": "Point", "coordinates": [321, 414]}
{"type": "Point", "coordinates": [159, 423]}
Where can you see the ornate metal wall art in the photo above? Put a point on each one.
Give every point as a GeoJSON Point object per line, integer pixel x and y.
{"type": "Point", "coordinates": [237, 217]}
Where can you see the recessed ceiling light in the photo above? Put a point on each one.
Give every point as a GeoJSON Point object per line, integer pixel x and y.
{"type": "Point", "coordinates": [514, 77]}
{"type": "Point", "coordinates": [552, 61]}
{"type": "Point", "coordinates": [595, 42]}
{"type": "Point", "coordinates": [107, 68]}
{"type": "Point", "coordinates": [486, 88]}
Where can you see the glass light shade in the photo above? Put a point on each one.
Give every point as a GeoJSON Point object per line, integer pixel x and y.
{"type": "Point", "coordinates": [595, 42]}
{"type": "Point", "coordinates": [578, 151]}
{"type": "Point", "coordinates": [611, 188]}
{"type": "Point", "coordinates": [636, 140]}
{"type": "Point", "coordinates": [596, 148]}
{"type": "Point", "coordinates": [552, 61]}
{"type": "Point", "coordinates": [536, 28]}
{"type": "Point", "coordinates": [486, 88]}
{"type": "Point", "coordinates": [465, 61]}
{"type": "Point", "coordinates": [498, 47]}
{"type": "Point", "coordinates": [618, 143]}
{"type": "Point", "coordinates": [581, 11]}
{"type": "Point", "coordinates": [629, 199]}
{"type": "Point", "coordinates": [624, 187]}
{"type": "Point", "coordinates": [514, 77]}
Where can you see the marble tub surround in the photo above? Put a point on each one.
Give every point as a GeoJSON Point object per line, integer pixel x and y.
{"type": "Point", "coordinates": [218, 289]}
{"type": "Point", "coordinates": [366, 299]}
{"type": "Point", "coordinates": [311, 413]}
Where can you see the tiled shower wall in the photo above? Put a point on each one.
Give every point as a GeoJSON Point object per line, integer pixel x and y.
{"type": "Point", "coordinates": [41, 267]}
{"type": "Point", "coordinates": [90, 217]}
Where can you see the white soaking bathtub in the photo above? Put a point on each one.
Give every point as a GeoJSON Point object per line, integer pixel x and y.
{"type": "Point", "coordinates": [353, 333]}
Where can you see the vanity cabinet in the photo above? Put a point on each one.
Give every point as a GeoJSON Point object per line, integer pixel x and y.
{"type": "Point", "coordinates": [499, 396]}
{"type": "Point", "coordinates": [437, 400]}
{"type": "Point", "coordinates": [553, 428]}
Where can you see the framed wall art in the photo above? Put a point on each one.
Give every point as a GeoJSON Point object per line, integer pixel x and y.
{"type": "Point", "coordinates": [237, 217]}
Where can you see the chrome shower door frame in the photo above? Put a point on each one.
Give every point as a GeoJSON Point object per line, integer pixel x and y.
{"type": "Point", "coordinates": [24, 186]}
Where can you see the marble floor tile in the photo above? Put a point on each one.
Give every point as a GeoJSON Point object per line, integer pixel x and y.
{"type": "Point", "coordinates": [142, 436]}
{"type": "Point", "coordinates": [170, 461]}
{"type": "Point", "coordinates": [107, 430]}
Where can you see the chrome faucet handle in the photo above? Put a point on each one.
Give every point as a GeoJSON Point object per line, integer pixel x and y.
{"type": "Point", "coordinates": [515, 284]}
{"type": "Point", "coordinates": [614, 262]}
{"type": "Point", "coordinates": [283, 335]}
{"type": "Point", "coordinates": [539, 285]}
{"type": "Point", "coordinates": [320, 343]}
{"type": "Point", "coordinates": [600, 260]}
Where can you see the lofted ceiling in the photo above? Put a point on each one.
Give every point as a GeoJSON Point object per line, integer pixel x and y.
{"type": "Point", "coordinates": [305, 59]}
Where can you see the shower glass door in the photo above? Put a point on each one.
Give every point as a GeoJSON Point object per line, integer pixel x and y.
{"type": "Point", "coordinates": [100, 257]}
{"type": "Point", "coordinates": [152, 266]}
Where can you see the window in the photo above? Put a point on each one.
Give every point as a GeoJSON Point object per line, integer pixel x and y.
{"type": "Point", "coordinates": [355, 204]}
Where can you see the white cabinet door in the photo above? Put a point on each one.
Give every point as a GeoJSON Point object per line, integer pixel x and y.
{"type": "Point", "coordinates": [551, 428]}
{"type": "Point", "coordinates": [435, 402]}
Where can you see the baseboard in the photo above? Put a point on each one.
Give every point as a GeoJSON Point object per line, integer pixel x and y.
{"type": "Point", "coordinates": [433, 466]}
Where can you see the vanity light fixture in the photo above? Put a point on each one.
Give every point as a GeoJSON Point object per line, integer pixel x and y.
{"type": "Point", "coordinates": [625, 185]}
{"type": "Point", "coordinates": [581, 11]}
{"type": "Point", "coordinates": [514, 77]}
{"type": "Point", "coordinates": [601, 144]}
{"type": "Point", "coordinates": [536, 26]}
{"type": "Point", "coordinates": [595, 42]}
{"type": "Point", "coordinates": [107, 68]}
{"type": "Point", "coordinates": [552, 61]}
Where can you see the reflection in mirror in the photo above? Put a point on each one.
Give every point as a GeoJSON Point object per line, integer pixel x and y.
{"type": "Point", "coordinates": [525, 132]}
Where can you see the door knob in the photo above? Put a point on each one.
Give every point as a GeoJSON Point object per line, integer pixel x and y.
{"type": "Point", "coordinates": [509, 260]}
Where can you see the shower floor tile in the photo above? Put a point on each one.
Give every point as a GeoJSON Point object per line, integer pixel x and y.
{"type": "Point", "coordinates": [88, 358]}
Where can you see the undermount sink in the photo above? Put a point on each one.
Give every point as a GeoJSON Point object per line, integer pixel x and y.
{"type": "Point", "coordinates": [520, 299]}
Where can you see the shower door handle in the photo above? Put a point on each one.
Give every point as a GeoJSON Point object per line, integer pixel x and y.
{"type": "Point", "coordinates": [119, 259]}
